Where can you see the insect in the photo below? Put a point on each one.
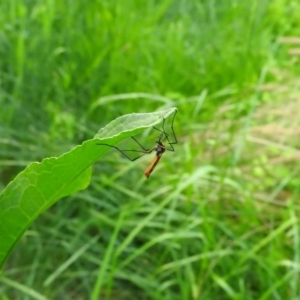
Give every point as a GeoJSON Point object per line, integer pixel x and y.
{"type": "Point", "coordinates": [159, 149]}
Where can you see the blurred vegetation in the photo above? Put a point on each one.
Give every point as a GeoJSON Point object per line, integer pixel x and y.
{"type": "Point", "coordinates": [218, 219]}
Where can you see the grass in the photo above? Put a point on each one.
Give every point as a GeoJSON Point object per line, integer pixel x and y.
{"type": "Point", "coordinates": [218, 218]}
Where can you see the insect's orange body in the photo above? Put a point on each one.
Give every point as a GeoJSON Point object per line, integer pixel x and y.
{"type": "Point", "coordinates": [152, 165]}
{"type": "Point", "coordinates": [160, 149]}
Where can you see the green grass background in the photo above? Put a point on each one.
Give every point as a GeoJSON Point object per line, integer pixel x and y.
{"type": "Point", "coordinates": [217, 219]}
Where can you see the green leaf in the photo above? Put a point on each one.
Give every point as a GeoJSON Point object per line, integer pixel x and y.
{"type": "Point", "coordinates": [40, 185]}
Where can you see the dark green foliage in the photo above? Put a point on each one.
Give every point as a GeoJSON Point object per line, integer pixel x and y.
{"type": "Point", "coordinates": [218, 218]}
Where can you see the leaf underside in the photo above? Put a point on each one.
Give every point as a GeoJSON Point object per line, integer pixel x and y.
{"type": "Point", "coordinates": [40, 185]}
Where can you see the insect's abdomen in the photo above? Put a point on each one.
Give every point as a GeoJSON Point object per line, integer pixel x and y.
{"type": "Point", "coordinates": [152, 165]}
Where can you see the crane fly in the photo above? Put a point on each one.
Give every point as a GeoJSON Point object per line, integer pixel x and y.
{"type": "Point", "coordinates": [159, 149]}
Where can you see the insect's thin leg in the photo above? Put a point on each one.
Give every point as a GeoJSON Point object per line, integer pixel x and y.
{"type": "Point", "coordinates": [140, 144]}
{"type": "Point", "coordinates": [147, 151]}
{"type": "Point", "coordinates": [171, 148]}
{"type": "Point", "coordinates": [167, 135]}
{"type": "Point", "coordinates": [164, 131]}
{"type": "Point", "coordinates": [161, 137]}
{"type": "Point", "coordinates": [174, 135]}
